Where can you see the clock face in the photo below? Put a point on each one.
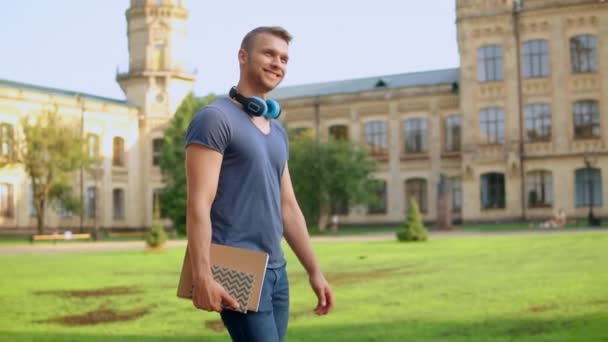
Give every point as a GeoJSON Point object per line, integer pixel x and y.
{"type": "Point", "coordinates": [160, 98]}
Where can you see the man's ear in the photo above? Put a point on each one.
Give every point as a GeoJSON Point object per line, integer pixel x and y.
{"type": "Point", "coordinates": [242, 56]}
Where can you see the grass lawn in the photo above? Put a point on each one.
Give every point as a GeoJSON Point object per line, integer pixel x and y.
{"type": "Point", "coordinates": [503, 288]}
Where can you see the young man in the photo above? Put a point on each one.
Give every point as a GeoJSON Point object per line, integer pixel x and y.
{"type": "Point", "coordinates": [240, 194]}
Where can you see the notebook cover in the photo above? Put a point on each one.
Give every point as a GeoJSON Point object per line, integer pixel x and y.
{"type": "Point", "coordinates": [240, 271]}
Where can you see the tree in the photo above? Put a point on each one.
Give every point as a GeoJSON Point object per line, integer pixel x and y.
{"type": "Point", "coordinates": [50, 150]}
{"type": "Point", "coordinates": [414, 229]}
{"type": "Point", "coordinates": [324, 174]}
{"type": "Point", "coordinates": [173, 195]}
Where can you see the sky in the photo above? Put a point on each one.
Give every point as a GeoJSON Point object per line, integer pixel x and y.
{"type": "Point", "coordinates": [78, 44]}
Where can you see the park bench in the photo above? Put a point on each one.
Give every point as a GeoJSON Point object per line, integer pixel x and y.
{"type": "Point", "coordinates": [127, 234]}
{"type": "Point", "coordinates": [59, 237]}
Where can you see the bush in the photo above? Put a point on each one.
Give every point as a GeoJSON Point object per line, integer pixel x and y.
{"type": "Point", "coordinates": [156, 236]}
{"type": "Point", "coordinates": [414, 230]}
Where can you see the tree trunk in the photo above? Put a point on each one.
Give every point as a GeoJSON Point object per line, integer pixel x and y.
{"type": "Point", "coordinates": [40, 216]}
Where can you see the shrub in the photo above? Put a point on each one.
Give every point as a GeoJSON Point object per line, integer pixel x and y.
{"type": "Point", "coordinates": [156, 236]}
{"type": "Point", "coordinates": [414, 229]}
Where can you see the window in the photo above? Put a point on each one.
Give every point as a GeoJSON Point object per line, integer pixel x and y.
{"type": "Point", "coordinates": [489, 63]}
{"type": "Point", "coordinates": [91, 208]}
{"type": "Point", "coordinates": [535, 59]}
{"type": "Point", "coordinates": [539, 186]}
{"type": "Point", "coordinates": [63, 211]}
{"type": "Point", "coordinates": [586, 119]}
{"type": "Point", "coordinates": [6, 141]}
{"type": "Point", "coordinates": [491, 121]}
{"type": "Point", "coordinates": [378, 206]}
{"type": "Point", "coordinates": [31, 202]}
{"type": "Point", "coordinates": [118, 204]}
{"type": "Point", "coordinates": [118, 154]}
{"type": "Point", "coordinates": [93, 145]}
{"type": "Point", "coordinates": [140, 2]}
{"type": "Point", "coordinates": [156, 203]}
{"type": "Point", "coordinates": [452, 133]}
{"type": "Point", "coordinates": [583, 53]}
{"type": "Point", "coordinates": [6, 200]}
{"type": "Point", "coordinates": [339, 132]}
{"type": "Point", "coordinates": [376, 138]}
{"type": "Point", "coordinates": [492, 191]}
{"type": "Point", "coordinates": [588, 187]}
{"type": "Point", "coordinates": [538, 122]}
{"type": "Point", "coordinates": [415, 135]}
{"type": "Point", "coordinates": [416, 188]}
{"type": "Point", "coordinates": [456, 185]}
{"type": "Point", "coordinates": [157, 148]}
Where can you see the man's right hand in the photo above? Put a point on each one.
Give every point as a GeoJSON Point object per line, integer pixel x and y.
{"type": "Point", "coordinates": [209, 295]}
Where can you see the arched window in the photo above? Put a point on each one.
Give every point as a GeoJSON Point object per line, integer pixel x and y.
{"type": "Point", "coordinates": [415, 133]}
{"type": "Point", "coordinates": [416, 188]}
{"type": "Point", "coordinates": [378, 206]}
{"type": "Point", "coordinates": [93, 145]}
{"type": "Point", "coordinates": [535, 58]}
{"type": "Point", "coordinates": [118, 151]}
{"type": "Point", "coordinates": [6, 200]}
{"type": "Point", "coordinates": [583, 52]}
{"type": "Point", "coordinates": [492, 125]}
{"type": "Point", "coordinates": [489, 63]}
{"type": "Point", "coordinates": [339, 132]}
{"type": "Point", "coordinates": [452, 133]}
{"type": "Point", "coordinates": [538, 122]}
{"type": "Point", "coordinates": [6, 141]}
{"type": "Point", "coordinates": [588, 187]}
{"type": "Point", "coordinates": [586, 117]}
{"type": "Point", "coordinates": [539, 186]}
{"type": "Point", "coordinates": [493, 190]}
{"type": "Point", "coordinates": [376, 138]}
{"type": "Point", "coordinates": [157, 148]}
{"type": "Point", "coordinates": [118, 204]}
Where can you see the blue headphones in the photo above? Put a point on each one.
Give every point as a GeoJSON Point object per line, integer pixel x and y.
{"type": "Point", "coordinates": [256, 106]}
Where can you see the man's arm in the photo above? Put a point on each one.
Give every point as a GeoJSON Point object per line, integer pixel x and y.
{"type": "Point", "coordinates": [296, 234]}
{"type": "Point", "coordinates": [202, 175]}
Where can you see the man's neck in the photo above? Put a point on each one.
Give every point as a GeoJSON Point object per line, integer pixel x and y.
{"type": "Point", "coordinates": [247, 90]}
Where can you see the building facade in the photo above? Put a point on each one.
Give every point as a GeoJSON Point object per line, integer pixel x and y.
{"type": "Point", "coordinates": [517, 129]}
{"type": "Point", "coordinates": [126, 133]}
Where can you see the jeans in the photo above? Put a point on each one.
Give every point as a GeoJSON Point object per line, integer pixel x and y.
{"type": "Point", "coordinates": [269, 323]}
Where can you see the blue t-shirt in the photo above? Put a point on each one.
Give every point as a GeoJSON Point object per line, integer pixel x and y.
{"type": "Point", "coordinates": [246, 211]}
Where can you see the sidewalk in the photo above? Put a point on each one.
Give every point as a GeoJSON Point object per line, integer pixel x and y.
{"type": "Point", "coordinates": [107, 246]}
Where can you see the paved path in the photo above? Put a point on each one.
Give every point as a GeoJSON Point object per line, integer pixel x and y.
{"type": "Point", "coordinates": [104, 246]}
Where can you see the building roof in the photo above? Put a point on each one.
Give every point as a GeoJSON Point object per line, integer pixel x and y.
{"type": "Point", "coordinates": [61, 92]}
{"type": "Point", "coordinates": [412, 79]}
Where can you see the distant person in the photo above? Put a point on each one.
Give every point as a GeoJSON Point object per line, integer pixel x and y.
{"type": "Point", "coordinates": [240, 192]}
{"type": "Point", "coordinates": [558, 221]}
{"type": "Point", "coordinates": [335, 222]}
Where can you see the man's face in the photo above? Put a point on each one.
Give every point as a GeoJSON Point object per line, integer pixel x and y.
{"type": "Point", "coordinates": [265, 63]}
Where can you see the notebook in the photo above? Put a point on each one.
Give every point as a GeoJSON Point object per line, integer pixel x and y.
{"type": "Point", "coordinates": [240, 271]}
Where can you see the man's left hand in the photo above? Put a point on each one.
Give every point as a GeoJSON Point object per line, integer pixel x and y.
{"type": "Point", "coordinates": [324, 295]}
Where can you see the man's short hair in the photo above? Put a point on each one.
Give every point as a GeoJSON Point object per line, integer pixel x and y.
{"type": "Point", "coordinates": [276, 31]}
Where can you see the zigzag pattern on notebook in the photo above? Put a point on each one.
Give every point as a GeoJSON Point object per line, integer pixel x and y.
{"type": "Point", "coordinates": [238, 284]}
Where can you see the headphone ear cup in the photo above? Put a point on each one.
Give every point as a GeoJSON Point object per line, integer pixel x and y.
{"type": "Point", "coordinates": [256, 106]}
{"type": "Point", "coordinates": [274, 109]}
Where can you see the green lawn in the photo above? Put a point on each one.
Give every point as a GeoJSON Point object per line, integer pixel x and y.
{"type": "Point", "coordinates": [503, 288]}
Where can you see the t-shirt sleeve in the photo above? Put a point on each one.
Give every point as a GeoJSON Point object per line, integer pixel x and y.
{"type": "Point", "coordinates": [209, 127]}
